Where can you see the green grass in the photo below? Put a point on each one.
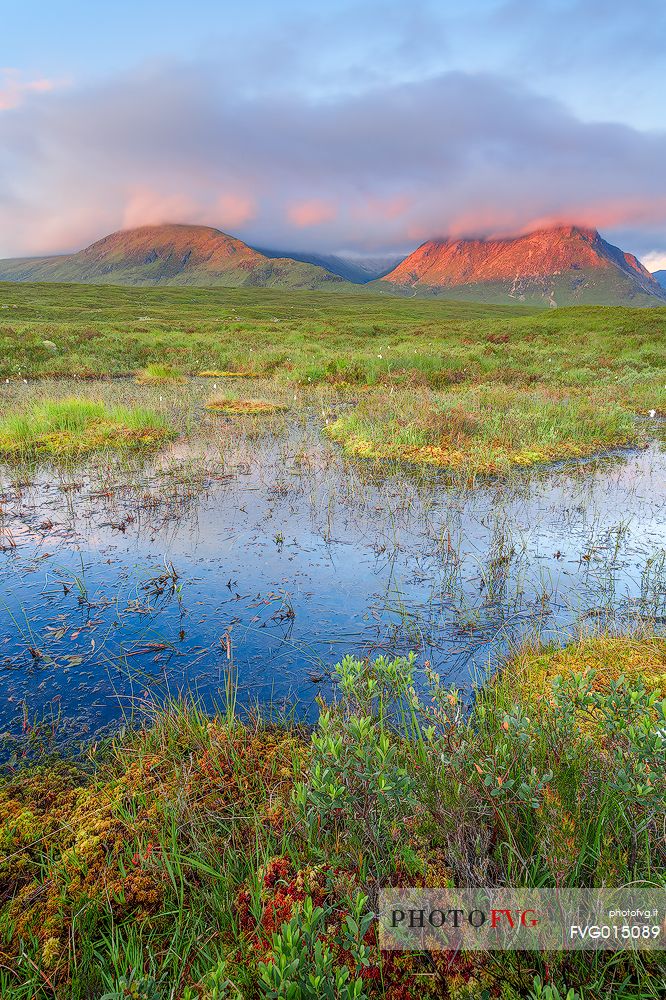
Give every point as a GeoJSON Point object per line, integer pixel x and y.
{"type": "Point", "coordinates": [516, 385]}
{"type": "Point", "coordinates": [158, 374]}
{"type": "Point", "coordinates": [484, 429]}
{"type": "Point", "coordinates": [77, 426]}
{"type": "Point", "coordinates": [180, 861]}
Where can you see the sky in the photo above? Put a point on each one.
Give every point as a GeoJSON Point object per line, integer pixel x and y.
{"type": "Point", "coordinates": [363, 127]}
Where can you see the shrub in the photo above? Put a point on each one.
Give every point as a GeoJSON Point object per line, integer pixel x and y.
{"type": "Point", "coordinates": [306, 961]}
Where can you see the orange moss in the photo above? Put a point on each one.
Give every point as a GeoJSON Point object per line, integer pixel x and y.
{"type": "Point", "coordinates": [212, 373]}
{"type": "Point", "coordinates": [238, 407]}
{"type": "Point", "coordinates": [495, 458]}
{"type": "Point", "coordinates": [610, 657]}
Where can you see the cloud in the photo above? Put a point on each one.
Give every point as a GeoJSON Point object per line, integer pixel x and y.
{"type": "Point", "coordinates": [14, 89]}
{"type": "Point", "coordinates": [379, 169]}
{"type": "Point", "coordinates": [314, 212]}
{"type": "Point", "coordinates": [233, 210]}
{"type": "Point", "coordinates": [655, 260]}
{"type": "Point", "coordinates": [145, 207]}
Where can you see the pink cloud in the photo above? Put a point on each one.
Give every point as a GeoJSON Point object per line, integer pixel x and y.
{"type": "Point", "coordinates": [311, 213]}
{"type": "Point", "coordinates": [609, 212]}
{"type": "Point", "coordinates": [366, 173]}
{"type": "Point", "coordinates": [146, 207]}
{"type": "Point", "coordinates": [373, 209]}
{"type": "Point", "coordinates": [13, 89]}
{"type": "Point", "coordinates": [493, 221]}
{"type": "Point", "coordinates": [232, 210]}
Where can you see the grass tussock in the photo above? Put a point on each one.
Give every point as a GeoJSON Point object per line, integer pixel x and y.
{"type": "Point", "coordinates": [486, 429]}
{"type": "Point", "coordinates": [232, 406]}
{"type": "Point", "coordinates": [76, 426]}
{"type": "Point", "coordinates": [159, 374]}
{"type": "Point", "coordinates": [206, 858]}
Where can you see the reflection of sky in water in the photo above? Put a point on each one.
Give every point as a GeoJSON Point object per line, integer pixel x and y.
{"type": "Point", "coordinates": [301, 565]}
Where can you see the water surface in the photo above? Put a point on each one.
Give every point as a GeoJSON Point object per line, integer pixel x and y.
{"type": "Point", "coordinates": [122, 586]}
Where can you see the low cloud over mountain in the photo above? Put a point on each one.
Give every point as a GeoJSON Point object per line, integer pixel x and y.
{"type": "Point", "coordinates": [380, 169]}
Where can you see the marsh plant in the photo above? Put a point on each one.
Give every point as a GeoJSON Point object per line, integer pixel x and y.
{"type": "Point", "coordinates": [157, 373]}
{"type": "Point", "coordinates": [75, 426]}
{"type": "Point", "coordinates": [200, 854]}
{"type": "Point", "coordinates": [473, 387]}
{"type": "Point", "coordinates": [213, 857]}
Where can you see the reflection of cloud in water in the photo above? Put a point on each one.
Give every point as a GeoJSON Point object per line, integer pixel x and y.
{"type": "Point", "coordinates": [302, 560]}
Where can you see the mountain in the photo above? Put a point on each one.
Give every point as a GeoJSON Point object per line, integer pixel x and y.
{"type": "Point", "coordinates": [563, 265]}
{"type": "Point", "coordinates": [171, 255]}
{"type": "Point", "coordinates": [352, 267]}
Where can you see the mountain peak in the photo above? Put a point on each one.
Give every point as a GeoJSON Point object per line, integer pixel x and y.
{"type": "Point", "coordinates": [569, 230]}
{"type": "Point", "coordinates": [172, 254]}
{"type": "Point", "coordinates": [167, 239]}
{"type": "Point", "coordinates": [557, 265]}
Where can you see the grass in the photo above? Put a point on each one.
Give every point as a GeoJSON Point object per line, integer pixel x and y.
{"type": "Point", "coordinates": [485, 429]}
{"type": "Point", "coordinates": [183, 860]}
{"type": "Point", "coordinates": [158, 374]}
{"type": "Point", "coordinates": [207, 857]}
{"type": "Point", "coordinates": [441, 382]}
{"type": "Point", "coordinates": [77, 426]}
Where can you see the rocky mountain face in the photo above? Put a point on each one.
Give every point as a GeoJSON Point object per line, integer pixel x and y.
{"type": "Point", "coordinates": [563, 265]}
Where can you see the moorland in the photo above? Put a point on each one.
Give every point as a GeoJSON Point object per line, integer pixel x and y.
{"type": "Point", "coordinates": [224, 846]}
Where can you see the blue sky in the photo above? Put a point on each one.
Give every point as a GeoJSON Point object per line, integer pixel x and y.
{"type": "Point", "coordinates": [263, 118]}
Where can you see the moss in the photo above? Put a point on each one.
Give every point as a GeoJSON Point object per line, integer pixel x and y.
{"type": "Point", "coordinates": [456, 459]}
{"type": "Point", "coordinates": [486, 429]}
{"type": "Point", "coordinates": [212, 373]}
{"type": "Point", "coordinates": [72, 840]}
{"type": "Point", "coordinates": [238, 407]}
{"type": "Point", "coordinates": [185, 851]}
{"type": "Point", "coordinates": [609, 657]}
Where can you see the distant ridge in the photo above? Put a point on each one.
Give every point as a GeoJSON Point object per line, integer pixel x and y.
{"type": "Point", "coordinates": [171, 255]}
{"type": "Point", "coordinates": [660, 276]}
{"type": "Point", "coordinates": [562, 265]}
{"type": "Point", "coordinates": [357, 268]}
